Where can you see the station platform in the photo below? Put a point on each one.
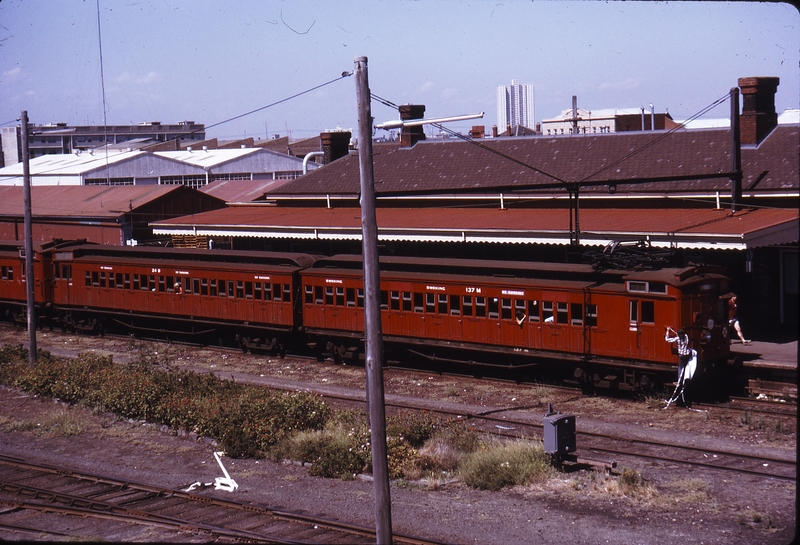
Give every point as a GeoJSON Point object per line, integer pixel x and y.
{"type": "Point", "coordinates": [766, 355]}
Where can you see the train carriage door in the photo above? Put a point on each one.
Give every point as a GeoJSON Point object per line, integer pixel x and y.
{"type": "Point", "coordinates": [642, 329]}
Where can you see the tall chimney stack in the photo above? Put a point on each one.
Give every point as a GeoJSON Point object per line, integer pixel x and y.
{"type": "Point", "coordinates": [335, 145]}
{"type": "Point", "coordinates": [758, 108]}
{"type": "Point", "coordinates": [411, 135]}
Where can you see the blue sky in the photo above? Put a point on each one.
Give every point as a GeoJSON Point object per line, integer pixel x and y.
{"type": "Point", "coordinates": [209, 61]}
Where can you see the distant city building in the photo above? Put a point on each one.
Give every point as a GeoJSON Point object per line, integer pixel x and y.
{"type": "Point", "coordinates": [515, 106]}
{"type": "Point", "coordinates": [579, 121]}
{"type": "Point", "coordinates": [60, 138]}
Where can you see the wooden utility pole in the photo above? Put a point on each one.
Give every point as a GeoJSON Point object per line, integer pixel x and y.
{"type": "Point", "coordinates": [372, 310]}
{"type": "Point", "coordinates": [29, 282]}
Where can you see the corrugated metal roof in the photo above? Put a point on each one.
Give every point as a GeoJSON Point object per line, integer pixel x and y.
{"type": "Point", "coordinates": [208, 158]}
{"type": "Point", "coordinates": [241, 190]}
{"type": "Point", "coordinates": [82, 201]}
{"type": "Point", "coordinates": [71, 163]}
{"type": "Point", "coordinates": [699, 228]}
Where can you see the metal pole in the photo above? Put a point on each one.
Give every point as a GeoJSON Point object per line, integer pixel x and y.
{"type": "Point", "coordinates": [372, 310]}
{"type": "Point", "coordinates": [29, 282]}
{"type": "Point", "coordinates": [736, 151]}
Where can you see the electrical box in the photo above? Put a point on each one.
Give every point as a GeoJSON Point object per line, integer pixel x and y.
{"type": "Point", "coordinates": [559, 434]}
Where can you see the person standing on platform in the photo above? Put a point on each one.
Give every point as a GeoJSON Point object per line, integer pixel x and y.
{"type": "Point", "coordinates": [733, 321]}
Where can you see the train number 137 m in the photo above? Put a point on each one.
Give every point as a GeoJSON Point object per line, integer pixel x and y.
{"type": "Point", "coordinates": [470, 289]}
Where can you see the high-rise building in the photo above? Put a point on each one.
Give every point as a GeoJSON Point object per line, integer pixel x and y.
{"type": "Point", "coordinates": [515, 106]}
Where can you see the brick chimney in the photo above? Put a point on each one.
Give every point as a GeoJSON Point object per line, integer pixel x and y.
{"type": "Point", "coordinates": [335, 145]}
{"type": "Point", "coordinates": [411, 135]}
{"type": "Point", "coordinates": [758, 116]}
{"type": "Point", "coordinates": [478, 131]}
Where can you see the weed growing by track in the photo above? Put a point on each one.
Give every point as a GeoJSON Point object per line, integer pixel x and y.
{"type": "Point", "coordinates": [253, 421]}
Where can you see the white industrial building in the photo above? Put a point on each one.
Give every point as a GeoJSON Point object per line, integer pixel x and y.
{"type": "Point", "coordinates": [192, 168]}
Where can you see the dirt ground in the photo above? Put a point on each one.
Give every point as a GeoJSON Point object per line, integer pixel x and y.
{"type": "Point", "coordinates": [676, 505]}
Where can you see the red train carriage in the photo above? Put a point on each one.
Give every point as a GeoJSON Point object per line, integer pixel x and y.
{"type": "Point", "coordinates": [526, 312]}
{"type": "Point", "coordinates": [180, 291]}
{"type": "Point", "coordinates": [13, 286]}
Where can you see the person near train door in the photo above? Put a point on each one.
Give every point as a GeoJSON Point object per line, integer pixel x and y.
{"type": "Point", "coordinates": [733, 321]}
{"type": "Point", "coordinates": [684, 352]}
{"type": "Point", "coordinates": [685, 356]}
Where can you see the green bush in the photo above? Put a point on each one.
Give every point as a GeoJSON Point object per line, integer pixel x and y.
{"type": "Point", "coordinates": [415, 428]}
{"type": "Point", "coordinates": [245, 419]}
{"type": "Point", "coordinates": [331, 453]}
{"type": "Point", "coordinates": [501, 465]}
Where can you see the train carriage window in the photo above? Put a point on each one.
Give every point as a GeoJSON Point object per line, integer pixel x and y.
{"type": "Point", "coordinates": [309, 294]}
{"type": "Point", "coordinates": [88, 279]}
{"type": "Point", "coordinates": [11, 272]}
{"type": "Point", "coordinates": [519, 310]}
{"type": "Point", "coordinates": [533, 310]}
{"type": "Point", "coordinates": [239, 289]}
{"type": "Point", "coordinates": [66, 272]}
{"type": "Point", "coordinates": [136, 283]}
{"type": "Point", "coordinates": [648, 312]}
{"type": "Point", "coordinates": [111, 280]}
{"type": "Point", "coordinates": [407, 301]}
{"type": "Point", "coordinates": [328, 295]}
{"type": "Point", "coordinates": [118, 281]}
{"type": "Point", "coordinates": [455, 305]}
{"type": "Point", "coordinates": [576, 310]}
{"type": "Point", "coordinates": [95, 279]}
{"type": "Point", "coordinates": [562, 316]}
{"type": "Point", "coordinates": [143, 282]}
{"type": "Point", "coordinates": [152, 282]}
{"type": "Point", "coordinates": [494, 308]}
{"type": "Point", "coordinates": [441, 307]}
{"type": "Point", "coordinates": [360, 297]}
{"type": "Point", "coordinates": [634, 311]}
{"type": "Point", "coordinates": [196, 286]}
{"type": "Point", "coordinates": [127, 281]}
{"type": "Point", "coordinates": [547, 312]}
{"type": "Point", "coordinates": [480, 307]}
{"type": "Point", "coordinates": [658, 287]}
{"type": "Point", "coordinates": [318, 295]}
{"type": "Point", "coordinates": [257, 291]}
{"type": "Point", "coordinates": [637, 286]}
{"type": "Point", "coordinates": [102, 280]}
{"type": "Point", "coordinates": [466, 301]}
{"type": "Point", "coordinates": [5, 272]}
{"type": "Point", "coordinates": [418, 302]}
{"type": "Point", "coordinates": [394, 300]}
{"type": "Point", "coordinates": [591, 315]}
{"type": "Point", "coordinates": [162, 284]}
{"type": "Point", "coordinates": [276, 293]}
{"type": "Point", "coordinates": [248, 290]}
{"type": "Point", "coordinates": [170, 284]}
{"type": "Point", "coordinates": [187, 285]}
{"type": "Point", "coordinates": [287, 293]}
{"type": "Point", "coordinates": [231, 292]}
{"type": "Point", "coordinates": [339, 297]}
{"type": "Point", "coordinates": [350, 295]}
{"type": "Point", "coordinates": [430, 302]}
{"type": "Point", "coordinates": [268, 291]}
{"type": "Point", "coordinates": [384, 300]}
{"type": "Point", "coordinates": [204, 286]}
{"type": "Point", "coordinates": [505, 309]}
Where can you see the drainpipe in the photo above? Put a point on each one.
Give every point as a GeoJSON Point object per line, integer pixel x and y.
{"type": "Point", "coordinates": [308, 156]}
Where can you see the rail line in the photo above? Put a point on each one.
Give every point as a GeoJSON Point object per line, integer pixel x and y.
{"type": "Point", "coordinates": [31, 494]}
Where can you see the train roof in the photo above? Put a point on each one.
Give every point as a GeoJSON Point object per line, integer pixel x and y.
{"type": "Point", "coordinates": [580, 272]}
{"type": "Point", "coordinates": [185, 255]}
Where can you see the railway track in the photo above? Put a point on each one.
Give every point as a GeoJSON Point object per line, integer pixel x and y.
{"type": "Point", "coordinates": [42, 501]}
{"type": "Point", "coordinates": [607, 449]}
